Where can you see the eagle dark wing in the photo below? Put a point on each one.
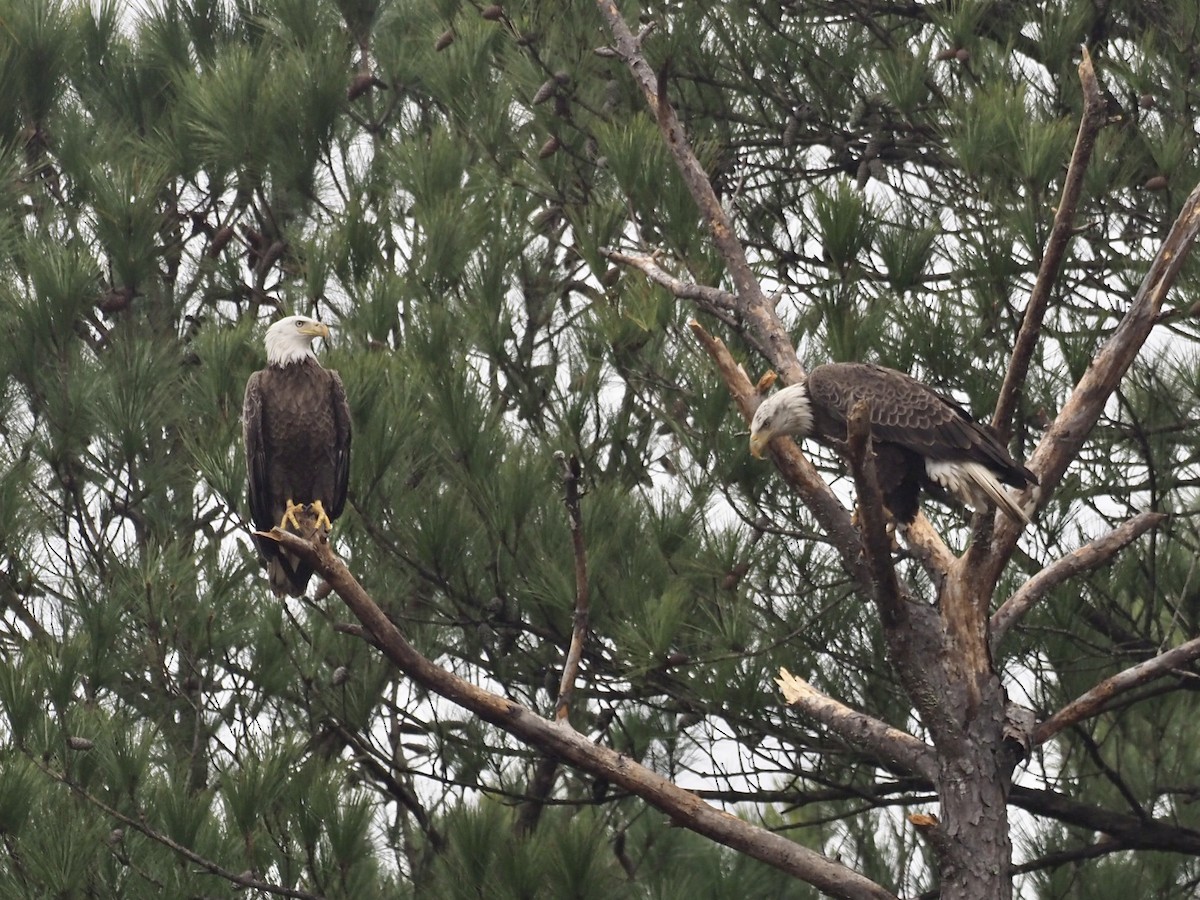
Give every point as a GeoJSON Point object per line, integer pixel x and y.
{"type": "Point", "coordinates": [253, 427]}
{"type": "Point", "coordinates": [909, 414]}
{"type": "Point", "coordinates": [341, 449]}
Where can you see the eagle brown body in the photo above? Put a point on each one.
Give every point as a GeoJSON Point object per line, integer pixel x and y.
{"type": "Point", "coordinates": [296, 425]}
{"type": "Point", "coordinates": [921, 438]}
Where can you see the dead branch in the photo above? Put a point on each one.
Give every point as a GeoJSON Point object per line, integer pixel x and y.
{"type": "Point", "coordinates": [566, 689]}
{"type": "Point", "coordinates": [1096, 700]}
{"type": "Point", "coordinates": [1065, 436]}
{"type": "Point", "coordinates": [1093, 119]}
{"type": "Point", "coordinates": [873, 524]}
{"type": "Point", "coordinates": [793, 465]}
{"type": "Point", "coordinates": [753, 305]}
{"type": "Point", "coordinates": [1090, 556]}
{"type": "Point", "coordinates": [710, 298]}
{"type": "Point", "coordinates": [560, 740]}
{"type": "Point", "coordinates": [898, 749]}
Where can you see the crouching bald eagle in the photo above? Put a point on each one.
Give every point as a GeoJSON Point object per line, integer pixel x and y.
{"type": "Point", "coordinates": [920, 437]}
{"type": "Point", "coordinates": [296, 425]}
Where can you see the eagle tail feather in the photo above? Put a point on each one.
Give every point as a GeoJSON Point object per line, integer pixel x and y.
{"type": "Point", "coordinates": [975, 484]}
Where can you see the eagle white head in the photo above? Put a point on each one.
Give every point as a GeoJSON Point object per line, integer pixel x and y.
{"type": "Point", "coordinates": [290, 339]}
{"type": "Point", "coordinates": [787, 411]}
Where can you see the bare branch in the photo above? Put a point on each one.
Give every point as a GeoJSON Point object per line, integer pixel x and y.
{"type": "Point", "coordinates": [754, 306]}
{"type": "Point", "coordinates": [793, 465]}
{"type": "Point", "coordinates": [1094, 113]}
{"type": "Point", "coordinates": [1090, 556]}
{"type": "Point", "coordinates": [566, 687]}
{"type": "Point", "coordinates": [703, 295]}
{"type": "Point", "coordinates": [875, 543]}
{"type": "Point", "coordinates": [560, 740]}
{"type": "Point", "coordinates": [1094, 701]}
{"type": "Point", "coordinates": [1067, 433]}
{"type": "Point", "coordinates": [901, 751]}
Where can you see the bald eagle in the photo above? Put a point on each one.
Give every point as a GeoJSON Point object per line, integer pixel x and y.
{"type": "Point", "coordinates": [921, 438]}
{"type": "Point", "coordinates": [296, 425]}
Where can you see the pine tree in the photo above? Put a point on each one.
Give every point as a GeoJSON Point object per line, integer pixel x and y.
{"type": "Point", "coordinates": [510, 214]}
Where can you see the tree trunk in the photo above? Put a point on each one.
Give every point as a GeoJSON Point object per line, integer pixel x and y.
{"type": "Point", "coordinates": [974, 761]}
{"type": "Point", "coordinates": [973, 846]}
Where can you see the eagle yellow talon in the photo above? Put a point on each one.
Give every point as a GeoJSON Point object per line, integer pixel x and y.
{"type": "Point", "coordinates": [323, 520]}
{"type": "Point", "coordinates": [289, 515]}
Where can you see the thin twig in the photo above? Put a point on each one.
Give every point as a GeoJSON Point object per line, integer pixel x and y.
{"type": "Point", "coordinates": [242, 881]}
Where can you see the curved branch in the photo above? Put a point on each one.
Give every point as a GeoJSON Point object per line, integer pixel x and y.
{"type": "Point", "coordinates": [1094, 701]}
{"type": "Point", "coordinates": [560, 740]}
{"type": "Point", "coordinates": [1090, 556]}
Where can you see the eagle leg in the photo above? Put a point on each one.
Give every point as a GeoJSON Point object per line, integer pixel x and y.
{"type": "Point", "coordinates": [289, 515]}
{"type": "Point", "coordinates": [323, 520]}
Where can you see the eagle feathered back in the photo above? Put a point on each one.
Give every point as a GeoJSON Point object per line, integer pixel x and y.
{"type": "Point", "coordinates": [922, 437]}
{"type": "Point", "coordinates": [296, 425]}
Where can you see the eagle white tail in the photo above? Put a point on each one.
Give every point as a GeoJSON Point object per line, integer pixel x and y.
{"type": "Point", "coordinates": [975, 485]}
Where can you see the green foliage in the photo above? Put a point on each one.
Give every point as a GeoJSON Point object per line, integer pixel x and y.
{"type": "Point", "coordinates": [174, 177]}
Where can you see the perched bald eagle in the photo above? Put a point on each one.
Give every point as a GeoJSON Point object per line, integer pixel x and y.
{"type": "Point", "coordinates": [296, 425]}
{"type": "Point", "coordinates": [921, 438]}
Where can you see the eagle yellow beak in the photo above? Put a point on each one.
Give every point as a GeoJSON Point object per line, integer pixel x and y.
{"type": "Point", "coordinates": [758, 443]}
{"type": "Point", "coordinates": [316, 329]}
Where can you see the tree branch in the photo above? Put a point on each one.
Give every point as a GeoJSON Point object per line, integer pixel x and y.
{"type": "Point", "coordinates": [1134, 832]}
{"type": "Point", "coordinates": [709, 297]}
{"type": "Point", "coordinates": [566, 689]}
{"type": "Point", "coordinates": [244, 881]}
{"type": "Point", "coordinates": [1090, 556]}
{"type": "Point", "coordinates": [1094, 701]}
{"type": "Point", "coordinates": [793, 465]}
{"type": "Point", "coordinates": [562, 741]}
{"type": "Point", "coordinates": [752, 304]}
{"type": "Point", "coordinates": [1066, 435]}
{"type": "Point", "coordinates": [901, 751]}
{"type": "Point", "coordinates": [1094, 112]}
